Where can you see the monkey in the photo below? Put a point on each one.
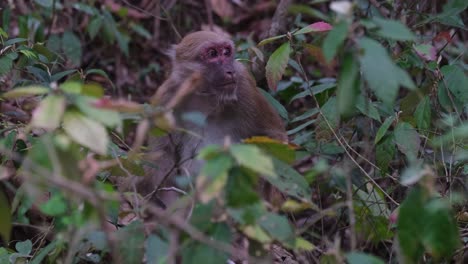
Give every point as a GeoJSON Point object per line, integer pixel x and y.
{"type": "Point", "coordinates": [224, 92]}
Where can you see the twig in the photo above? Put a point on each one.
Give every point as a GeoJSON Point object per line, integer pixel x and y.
{"type": "Point", "coordinates": [173, 189]}
{"type": "Point", "coordinates": [156, 24]}
{"type": "Point", "coordinates": [278, 23]}
{"type": "Point", "coordinates": [367, 160]}
{"type": "Point", "coordinates": [171, 23]}
{"type": "Point", "coordinates": [351, 214]}
{"type": "Point", "coordinates": [209, 10]}
{"type": "Point", "coordinates": [173, 246]}
{"type": "Point", "coordinates": [142, 10]}
{"type": "Point", "coordinates": [335, 135]}
{"type": "Point", "coordinates": [51, 21]}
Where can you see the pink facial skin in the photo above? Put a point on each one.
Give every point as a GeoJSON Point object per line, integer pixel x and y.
{"type": "Point", "coordinates": [219, 52]}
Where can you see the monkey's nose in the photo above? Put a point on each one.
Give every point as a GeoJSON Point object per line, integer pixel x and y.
{"type": "Point", "coordinates": [229, 75]}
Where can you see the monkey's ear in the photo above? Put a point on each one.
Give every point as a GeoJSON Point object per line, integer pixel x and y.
{"type": "Point", "coordinates": [171, 52]}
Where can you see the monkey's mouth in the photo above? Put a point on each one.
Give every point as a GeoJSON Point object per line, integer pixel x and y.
{"type": "Point", "coordinates": [228, 86]}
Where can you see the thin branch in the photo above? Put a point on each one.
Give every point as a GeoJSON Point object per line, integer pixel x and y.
{"type": "Point", "coordinates": [338, 139]}
{"type": "Point", "coordinates": [209, 10]}
{"type": "Point", "coordinates": [351, 214]}
{"type": "Point", "coordinates": [51, 21]}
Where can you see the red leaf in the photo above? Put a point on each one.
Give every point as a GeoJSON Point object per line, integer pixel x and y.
{"type": "Point", "coordinates": [117, 105]}
{"type": "Point", "coordinates": [320, 26]}
{"type": "Point", "coordinates": [443, 35]}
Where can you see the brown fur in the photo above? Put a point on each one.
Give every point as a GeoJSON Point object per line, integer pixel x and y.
{"type": "Point", "coordinates": [239, 115]}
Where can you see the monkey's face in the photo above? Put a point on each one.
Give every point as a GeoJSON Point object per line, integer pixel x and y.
{"type": "Point", "coordinates": [220, 74]}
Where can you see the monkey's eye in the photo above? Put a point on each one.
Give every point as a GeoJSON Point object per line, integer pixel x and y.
{"type": "Point", "coordinates": [212, 53]}
{"type": "Point", "coordinates": [227, 52]}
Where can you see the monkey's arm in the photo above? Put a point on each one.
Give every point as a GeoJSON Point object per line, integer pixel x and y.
{"type": "Point", "coordinates": [259, 114]}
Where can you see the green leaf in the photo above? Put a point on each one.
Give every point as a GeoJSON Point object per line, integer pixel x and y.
{"type": "Point", "coordinates": [384, 153]}
{"type": "Point", "coordinates": [381, 73]}
{"type": "Point", "coordinates": [214, 177]}
{"type": "Point", "coordinates": [134, 236]}
{"type": "Point", "coordinates": [426, 51]}
{"type": "Point", "coordinates": [383, 129]}
{"type": "Point", "coordinates": [156, 250]}
{"type": "Point", "coordinates": [362, 258]}
{"type": "Point", "coordinates": [5, 212]}
{"type": "Point", "coordinates": [14, 41]}
{"type": "Point", "coordinates": [307, 10]}
{"type": "Point", "coordinates": [109, 118]}
{"type": "Point", "coordinates": [305, 115]}
{"type": "Point", "coordinates": [441, 237]}
{"type": "Point", "coordinates": [49, 112]}
{"type": "Point", "coordinates": [4, 256]}
{"type": "Point", "coordinates": [290, 181]}
{"type": "Point", "coordinates": [93, 90]}
{"type": "Point", "coordinates": [316, 89]}
{"type": "Point", "coordinates": [26, 91]}
{"type": "Point", "coordinates": [348, 86]}
{"type": "Point", "coordinates": [276, 65]}
{"type": "Point", "coordinates": [44, 3]}
{"type": "Point", "coordinates": [29, 54]}
{"type": "Point", "coordinates": [410, 225]}
{"type": "Point", "coordinates": [6, 63]}
{"type": "Point", "coordinates": [24, 247]}
{"type": "Point", "coordinates": [55, 206]}
{"type": "Point", "coordinates": [123, 40]}
{"type": "Point", "coordinates": [274, 148]}
{"type": "Point", "coordinates": [90, 10]}
{"type": "Point", "coordinates": [6, 18]}
{"type": "Point", "coordinates": [71, 46]}
{"type": "Point", "coordinates": [40, 256]}
{"type": "Point", "coordinates": [334, 40]}
{"type": "Point", "coordinates": [71, 87]}
{"type": "Point", "coordinates": [200, 253]}
{"type": "Point", "coordinates": [54, 43]}
{"type": "Point", "coordinates": [268, 40]}
{"type": "Point", "coordinates": [301, 127]}
{"type": "Point", "coordinates": [249, 214]}
{"type": "Point", "coordinates": [253, 158]}
{"type": "Point", "coordinates": [367, 108]}
{"type": "Point", "coordinates": [407, 140]}
{"type": "Point", "coordinates": [422, 114]}
{"type": "Point", "coordinates": [239, 179]}
{"type": "Point", "coordinates": [216, 166]}
{"type": "Point", "coordinates": [278, 227]}
{"type": "Point", "coordinates": [456, 81]}
{"type": "Point", "coordinates": [277, 105]}
{"type": "Point", "coordinates": [393, 29]}
{"type": "Point", "coordinates": [314, 27]}
{"type": "Point", "coordinates": [140, 30]}
{"type": "Point", "coordinates": [94, 26]}
{"type": "Point", "coordinates": [86, 131]}
{"type": "Point", "coordinates": [3, 33]}
{"type": "Point", "coordinates": [101, 73]}
{"type": "Point", "coordinates": [302, 244]}
{"type": "Point", "coordinates": [60, 75]}
{"type": "Point", "coordinates": [457, 133]}
{"type": "Point", "coordinates": [329, 111]}
{"type": "Point", "coordinates": [412, 174]}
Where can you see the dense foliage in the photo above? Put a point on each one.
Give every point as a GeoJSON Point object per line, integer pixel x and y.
{"type": "Point", "coordinates": [374, 95]}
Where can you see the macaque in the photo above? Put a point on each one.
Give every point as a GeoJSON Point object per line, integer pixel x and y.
{"type": "Point", "coordinates": [223, 91]}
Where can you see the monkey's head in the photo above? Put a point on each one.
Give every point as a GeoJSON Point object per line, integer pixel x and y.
{"type": "Point", "coordinates": [213, 55]}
